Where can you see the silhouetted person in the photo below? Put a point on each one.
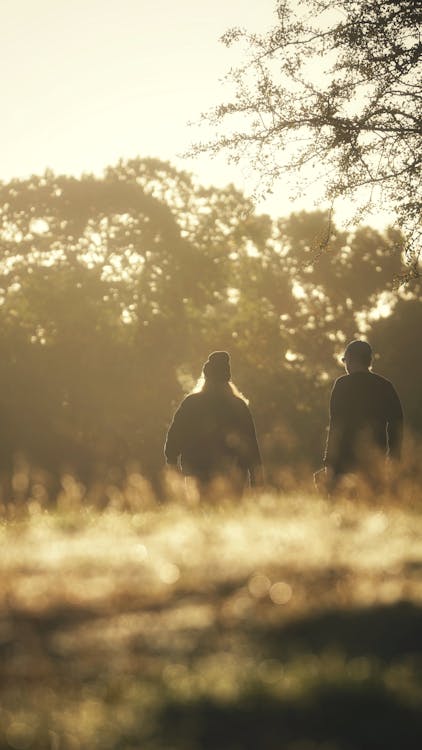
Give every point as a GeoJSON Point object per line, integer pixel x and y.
{"type": "Point", "coordinates": [366, 418]}
{"type": "Point", "coordinates": [212, 433]}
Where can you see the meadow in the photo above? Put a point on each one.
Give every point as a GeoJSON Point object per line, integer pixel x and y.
{"type": "Point", "coordinates": [281, 622]}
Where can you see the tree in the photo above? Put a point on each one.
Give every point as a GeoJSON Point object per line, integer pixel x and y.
{"type": "Point", "coordinates": [396, 340]}
{"type": "Point", "coordinates": [114, 289]}
{"type": "Point", "coordinates": [93, 273]}
{"type": "Point", "coordinates": [332, 94]}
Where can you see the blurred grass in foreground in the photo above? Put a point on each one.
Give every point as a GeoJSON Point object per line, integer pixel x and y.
{"type": "Point", "coordinates": [282, 622]}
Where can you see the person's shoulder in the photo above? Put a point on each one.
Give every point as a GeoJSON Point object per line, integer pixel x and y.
{"type": "Point", "coordinates": [192, 398]}
{"type": "Point", "coordinates": [244, 411]}
{"type": "Point", "coordinates": [240, 403]}
{"type": "Point", "coordinates": [340, 382]}
{"type": "Point", "coordinates": [189, 401]}
{"type": "Point", "coordinates": [383, 382]}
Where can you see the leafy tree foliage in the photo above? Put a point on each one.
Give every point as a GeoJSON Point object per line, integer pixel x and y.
{"type": "Point", "coordinates": [395, 337]}
{"type": "Point", "coordinates": [90, 270]}
{"type": "Point", "coordinates": [114, 289]}
{"type": "Point", "coordinates": [332, 93]}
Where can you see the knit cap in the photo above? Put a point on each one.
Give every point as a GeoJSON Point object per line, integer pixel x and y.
{"type": "Point", "coordinates": [217, 367]}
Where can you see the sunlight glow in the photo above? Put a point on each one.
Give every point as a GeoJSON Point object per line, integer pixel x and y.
{"type": "Point", "coordinates": [233, 295]}
{"type": "Point", "coordinates": [38, 226]}
{"type": "Point", "coordinates": [384, 307]}
{"type": "Point", "coordinates": [298, 291]}
{"type": "Point", "coordinates": [97, 108]}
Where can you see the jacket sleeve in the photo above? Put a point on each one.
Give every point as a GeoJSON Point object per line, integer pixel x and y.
{"type": "Point", "coordinates": [394, 424]}
{"type": "Point", "coordinates": [254, 456]}
{"type": "Point", "coordinates": [335, 429]}
{"type": "Point", "coordinates": [174, 438]}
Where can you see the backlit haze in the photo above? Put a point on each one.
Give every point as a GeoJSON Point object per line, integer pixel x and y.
{"type": "Point", "coordinates": [87, 82]}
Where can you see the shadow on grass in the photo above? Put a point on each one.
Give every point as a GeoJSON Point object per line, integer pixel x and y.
{"type": "Point", "coordinates": [337, 713]}
{"type": "Point", "coordinates": [386, 632]}
{"type": "Point", "coordinates": [331, 709]}
{"type": "Point", "coordinates": [340, 716]}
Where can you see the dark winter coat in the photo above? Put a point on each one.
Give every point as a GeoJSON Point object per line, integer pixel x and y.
{"type": "Point", "coordinates": [366, 420]}
{"type": "Point", "coordinates": [213, 434]}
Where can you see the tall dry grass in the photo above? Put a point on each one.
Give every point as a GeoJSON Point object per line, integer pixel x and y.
{"type": "Point", "coordinates": [283, 621]}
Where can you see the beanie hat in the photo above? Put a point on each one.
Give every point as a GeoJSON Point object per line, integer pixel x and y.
{"type": "Point", "coordinates": [217, 367]}
{"type": "Point", "coordinates": [360, 351]}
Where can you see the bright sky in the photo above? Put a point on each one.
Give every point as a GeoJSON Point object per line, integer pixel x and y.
{"type": "Point", "coordinates": [85, 82]}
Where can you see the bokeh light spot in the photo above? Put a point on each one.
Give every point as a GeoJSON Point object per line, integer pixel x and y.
{"type": "Point", "coordinates": [169, 573]}
{"type": "Point", "coordinates": [259, 586]}
{"type": "Point", "coordinates": [281, 593]}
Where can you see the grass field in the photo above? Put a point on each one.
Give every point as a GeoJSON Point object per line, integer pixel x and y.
{"type": "Point", "coordinates": [281, 622]}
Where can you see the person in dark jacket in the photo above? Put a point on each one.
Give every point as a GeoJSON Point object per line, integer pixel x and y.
{"type": "Point", "coordinates": [366, 418]}
{"type": "Point", "coordinates": [212, 435]}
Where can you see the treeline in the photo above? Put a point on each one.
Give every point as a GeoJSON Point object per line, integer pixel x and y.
{"type": "Point", "coordinates": [114, 289]}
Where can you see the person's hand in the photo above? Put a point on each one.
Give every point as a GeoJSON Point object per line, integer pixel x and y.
{"type": "Point", "coordinates": [257, 477]}
{"type": "Point", "coordinates": [323, 480]}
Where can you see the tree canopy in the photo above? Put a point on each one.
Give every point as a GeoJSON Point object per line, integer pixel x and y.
{"type": "Point", "coordinates": [332, 95]}
{"type": "Point", "coordinates": [114, 289]}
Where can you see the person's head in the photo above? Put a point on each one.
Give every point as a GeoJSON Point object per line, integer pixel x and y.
{"type": "Point", "coordinates": [217, 368]}
{"type": "Point", "coordinates": [216, 372]}
{"type": "Point", "coordinates": [357, 356]}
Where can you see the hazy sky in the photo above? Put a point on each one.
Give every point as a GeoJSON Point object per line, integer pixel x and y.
{"type": "Point", "coordinates": [85, 82]}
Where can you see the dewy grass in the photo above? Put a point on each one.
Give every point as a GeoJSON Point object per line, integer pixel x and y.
{"type": "Point", "coordinates": [278, 622]}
